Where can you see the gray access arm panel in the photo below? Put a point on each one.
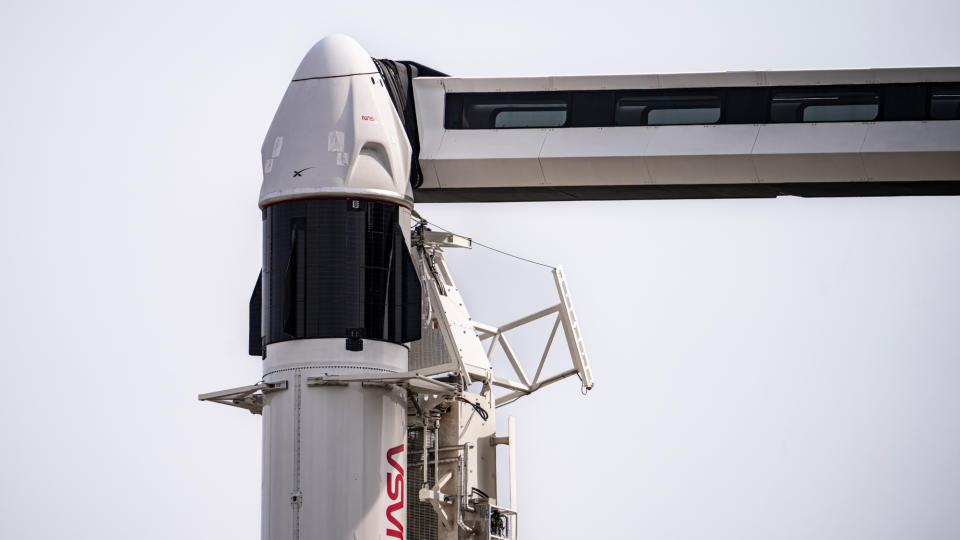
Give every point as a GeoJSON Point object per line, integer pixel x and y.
{"type": "Point", "coordinates": [684, 161]}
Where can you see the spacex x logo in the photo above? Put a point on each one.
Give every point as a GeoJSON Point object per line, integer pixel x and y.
{"type": "Point", "coordinates": [300, 172]}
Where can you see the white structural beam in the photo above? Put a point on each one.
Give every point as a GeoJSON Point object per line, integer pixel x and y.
{"type": "Point", "coordinates": [725, 79]}
{"type": "Point", "coordinates": [684, 161]}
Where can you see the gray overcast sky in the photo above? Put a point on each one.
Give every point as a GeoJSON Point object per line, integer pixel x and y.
{"type": "Point", "coordinates": [766, 369]}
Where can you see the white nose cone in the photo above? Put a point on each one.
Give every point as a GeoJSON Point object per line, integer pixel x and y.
{"type": "Point", "coordinates": [336, 132]}
{"type": "Point", "coordinates": [336, 55]}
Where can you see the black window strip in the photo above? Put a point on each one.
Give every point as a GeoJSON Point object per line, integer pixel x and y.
{"type": "Point", "coordinates": [738, 105]}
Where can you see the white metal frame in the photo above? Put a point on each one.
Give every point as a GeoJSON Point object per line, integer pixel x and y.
{"type": "Point", "coordinates": [566, 317]}
{"type": "Point", "coordinates": [464, 337]}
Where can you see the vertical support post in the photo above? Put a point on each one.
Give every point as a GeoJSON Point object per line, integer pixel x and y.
{"type": "Point", "coordinates": [512, 435]}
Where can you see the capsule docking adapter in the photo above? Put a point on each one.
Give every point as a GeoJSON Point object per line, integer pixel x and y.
{"type": "Point", "coordinates": [336, 132]}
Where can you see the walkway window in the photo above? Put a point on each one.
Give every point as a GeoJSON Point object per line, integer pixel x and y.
{"type": "Point", "coordinates": [824, 106]}
{"type": "Point", "coordinates": [514, 110]}
{"type": "Point", "coordinates": [530, 116]}
{"type": "Point", "coordinates": [945, 104]}
{"type": "Point", "coordinates": [667, 110]}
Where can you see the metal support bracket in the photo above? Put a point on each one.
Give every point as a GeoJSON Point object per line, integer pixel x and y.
{"type": "Point", "coordinates": [410, 380]}
{"type": "Point", "coordinates": [438, 239]}
{"type": "Point", "coordinates": [245, 397]}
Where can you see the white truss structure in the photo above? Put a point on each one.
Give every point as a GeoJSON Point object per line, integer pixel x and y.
{"type": "Point", "coordinates": [463, 337]}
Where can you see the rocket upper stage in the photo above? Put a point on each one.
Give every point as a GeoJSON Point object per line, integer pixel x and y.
{"type": "Point", "coordinates": [336, 132]}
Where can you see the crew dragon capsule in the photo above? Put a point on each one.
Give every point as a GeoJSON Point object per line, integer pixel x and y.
{"type": "Point", "coordinates": [340, 295]}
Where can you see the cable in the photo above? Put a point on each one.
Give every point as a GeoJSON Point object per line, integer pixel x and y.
{"type": "Point", "coordinates": [476, 406]}
{"type": "Point", "coordinates": [583, 385]}
{"type": "Point", "coordinates": [480, 492]}
{"type": "Point", "coordinates": [491, 247]}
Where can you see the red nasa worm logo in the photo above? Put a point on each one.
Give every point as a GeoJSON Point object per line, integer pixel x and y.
{"type": "Point", "coordinates": [368, 117]}
{"type": "Point", "coordinates": [396, 483]}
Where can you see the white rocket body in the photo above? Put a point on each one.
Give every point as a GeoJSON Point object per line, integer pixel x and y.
{"type": "Point", "coordinates": [336, 158]}
{"type": "Point", "coordinates": [329, 452]}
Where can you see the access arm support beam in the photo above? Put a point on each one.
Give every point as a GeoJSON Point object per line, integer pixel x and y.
{"type": "Point", "coordinates": [471, 163]}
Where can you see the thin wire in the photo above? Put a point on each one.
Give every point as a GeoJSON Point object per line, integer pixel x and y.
{"type": "Point", "coordinates": [491, 247]}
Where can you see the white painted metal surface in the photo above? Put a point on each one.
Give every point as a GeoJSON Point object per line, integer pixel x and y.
{"type": "Point", "coordinates": [329, 450]}
{"type": "Point", "coordinates": [512, 461]}
{"type": "Point", "coordinates": [450, 316]}
{"type": "Point", "coordinates": [336, 132]}
{"type": "Point", "coordinates": [688, 154]}
{"type": "Point", "coordinates": [698, 80]}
